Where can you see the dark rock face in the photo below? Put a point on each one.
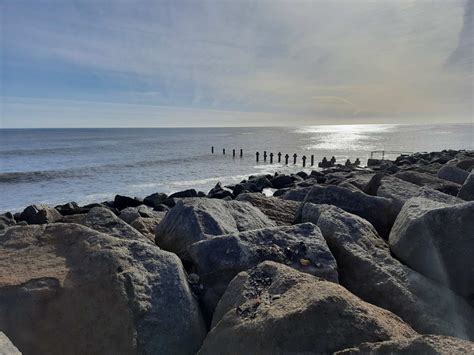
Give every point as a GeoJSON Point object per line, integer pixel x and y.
{"type": "Point", "coordinates": [197, 219]}
{"type": "Point", "coordinates": [66, 289]}
{"type": "Point", "coordinates": [219, 192]}
{"type": "Point", "coordinates": [436, 239]}
{"type": "Point", "coordinates": [185, 193]}
{"type": "Point", "coordinates": [40, 214]}
{"type": "Point", "coordinates": [155, 200]}
{"type": "Point", "coordinates": [282, 212]}
{"type": "Point", "coordinates": [423, 179]}
{"type": "Point", "coordinates": [219, 259]}
{"type": "Point", "coordinates": [467, 189]}
{"type": "Point", "coordinates": [453, 173]}
{"type": "Point", "coordinates": [121, 202]}
{"type": "Point", "coordinates": [147, 226]}
{"type": "Point", "coordinates": [282, 181]}
{"type": "Point", "coordinates": [293, 194]}
{"type": "Point", "coordinates": [367, 269]}
{"type": "Point", "coordinates": [379, 211]}
{"type": "Point", "coordinates": [422, 344]}
{"type": "Point", "coordinates": [274, 309]}
{"type": "Point", "coordinates": [70, 208]}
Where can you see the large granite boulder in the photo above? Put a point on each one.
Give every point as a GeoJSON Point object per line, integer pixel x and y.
{"type": "Point", "coordinates": [424, 179]}
{"type": "Point", "coordinates": [155, 200]}
{"type": "Point", "coordinates": [282, 212]}
{"type": "Point", "coordinates": [437, 240]}
{"type": "Point", "coordinates": [67, 289]}
{"type": "Point", "coordinates": [399, 191]}
{"type": "Point", "coordinates": [379, 211]}
{"type": "Point", "coordinates": [293, 194]}
{"type": "Point", "coordinates": [453, 173]}
{"type": "Point", "coordinates": [281, 181]}
{"type": "Point", "coordinates": [6, 346]}
{"type": "Point", "coordinates": [40, 214]}
{"type": "Point", "coordinates": [422, 344]}
{"type": "Point", "coordinates": [196, 219]}
{"type": "Point", "coordinates": [147, 226]}
{"type": "Point", "coordinates": [275, 309]}
{"type": "Point", "coordinates": [103, 220]}
{"type": "Point", "coordinates": [121, 202]}
{"type": "Point", "coordinates": [219, 259]}
{"type": "Point", "coordinates": [367, 269]}
{"type": "Point", "coordinates": [467, 189]}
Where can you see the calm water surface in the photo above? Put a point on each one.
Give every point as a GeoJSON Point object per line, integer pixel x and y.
{"type": "Point", "coordinates": [91, 165]}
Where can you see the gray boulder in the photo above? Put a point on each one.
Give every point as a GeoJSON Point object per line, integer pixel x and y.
{"type": "Point", "coordinates": [155, 200]}
{"type": "Point", "coordinates": [147, 226]}
{"type": "Point", "coordinates": [219, 259]}
{"type": "Point", "coordinates": [274, 309]}
{"type": "Point", "coordinates": [196, 219]}
{"type": "Point", "coordinates": [467, 189]}
{"type": "Point", "coordinates": [424, 179]}
{"type": "Point", "coordinates": [379, 211]}
{"type": "Point", "coordinates": [437, 240]}
{"type": "Point", "coordinates": [399, 191]}
{"type": "Point", "coordinates": [40, 214]}
{"type": "Point", "coordinates": [435, 195]}
{"type": "Point", "coordinates": [6, 346]}
{"type": "Point", "coordinates": [367, 269]}
{"type": "Point", "coordinates": [281, 181]}
{"type": "Point", "coordinates": [293, 194]}
{"type": "Point", "coordinates": [453, 173]}
{"type": "Point", "coordinates": [422, 344]}
{"type": "Point", "coordinates": [67, 289]}
{"type": "Point", "coordinates": [105, 221]}
{"type": "Point", "coordinates": [282, 212]}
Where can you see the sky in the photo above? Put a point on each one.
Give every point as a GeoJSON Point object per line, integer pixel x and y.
{"type": "Point", "coordinates": [119, 63]}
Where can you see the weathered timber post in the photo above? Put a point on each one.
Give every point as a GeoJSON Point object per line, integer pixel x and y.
{"type": "Point", "coordinates": [212, 150]}
{"type": "Point", "coordinates": [279, 157]}
{"type": "Point", "coordinates": [286, 159]}
{"type": "Point", "coordinates": [223, 151]}
{"type": "Point", "coordinates": [241, 153]}
{"type": "Point", "coordinates": [271, 158]}
{"type": "Point", "coordinates": [348, 162]}
{"type": "Point", "coordinates": [257, 154]}
{"type": "Point", "coordinates": [383, 154]}
{"type": "Point", "coordinates": [357, 162]}
{"type": "Point", "coordinates": [312, 159]}
{"type": "Point", "coordinates": [294, 158]}
{"type": "Point", "coordinates": [333, 160]}
{"type": "Point", "coordinates": [264, 155]}
{"type": "Point", "coordinates": [304, 160]}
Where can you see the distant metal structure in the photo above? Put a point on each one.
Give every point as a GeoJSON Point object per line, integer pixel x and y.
{"type": "Point", "coordinates": [387, 152]}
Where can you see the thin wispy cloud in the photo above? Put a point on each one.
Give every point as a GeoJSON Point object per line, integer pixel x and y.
{"type": "Point", "coordinates": [317, 61]}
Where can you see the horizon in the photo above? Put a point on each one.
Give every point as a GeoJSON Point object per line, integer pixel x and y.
{"type": "Point", "coordinates": [102, 64]}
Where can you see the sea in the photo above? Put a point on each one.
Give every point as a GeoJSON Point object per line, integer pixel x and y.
{"type": "Point", "coordinates": [56, 166]}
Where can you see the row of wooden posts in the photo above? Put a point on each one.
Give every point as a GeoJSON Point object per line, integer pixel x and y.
{"type": "Point", "coordinates": [325, 162]}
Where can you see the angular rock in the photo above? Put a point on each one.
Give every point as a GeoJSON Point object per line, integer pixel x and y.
{"type": "Point", "coordinates": [185, 193]}
{"type": "Point", "coordinates": [219, 192]}
{"type": "Point", "coordinates": [121, 202]}
{"type": "Point", "coordinates": [65, 289]}
{"type": "Point", "coordinates": [437, 240]}
{"type": "Point", "coordinates": [379, 211]}
{"type": "Point", "coordinates": [281, 181]}
{"type": "Point", "coordinates": [274, 309]}
{"type": "Point", "coordinates": [422, 344]}
{"type": "Point", "coordinates": [70, 208]}
{"type": "Point", "coordinates": [293, 194]}
{"type": "Point", "coordinates": [453, 173]}
{"type": "Point", "coordinates": [367, 269]}
{"type": "Point", "coordinates": [423, 179]}
{"type": "Point", "coordinates": [6, 346]}
{"type": "Point", "coordinates": [147, 226]}
{"type": "Point", "coordinates": [155, 200]}
{"type": "Point", "coordinates": [219, 259]}
{"type": "Point", "coordinates": [196, 219]}
{"type": "Point", "coordinates": [280, 211]}
{"type": "Point", "coordinates": [466, 164]}
{"type": "Point", "coordinates": [40, 214]}
{"type": "Point", "coordinates": [105, 221]}
{"type": "Point", "coordinates": [467, 189]}
{"type": "Point", "coordinates": [129, 214]}
{"type": "Point", "coordinates": [435, 195]}
{"type": "Point", "coordinates": [260, 182]}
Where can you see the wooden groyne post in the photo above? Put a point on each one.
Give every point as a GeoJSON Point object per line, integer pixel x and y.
{"type": "Point", "coordinates": [294, 158]}
{"type": "Point", "coordinates": [286, 159]}
{"type": "Point", "coordinates": [257, 155]}
{"type": "Point", "coordinates": [271, 158]}
{"type": "Point", "coordinates": [279, 157]}
{"type": "Point", "coordinates": [264, 155]}
{"type": "Point", "coordinates": [312, 159]}
{"type": "Point", "coordinates": [212, 150]}
{"type": "Point", "coordinates": [223, 151]}
{"type": "Point", "coordinates": [304, 160]}
{"type": "Point", "coordinates": [241, 153]}
{"type": "Point", "coordinates": [233, 153]}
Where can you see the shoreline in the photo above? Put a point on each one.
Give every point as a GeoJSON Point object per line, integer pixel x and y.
{"type": "Point", "coordinates": [387, 248]}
